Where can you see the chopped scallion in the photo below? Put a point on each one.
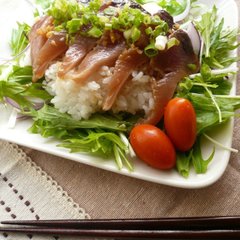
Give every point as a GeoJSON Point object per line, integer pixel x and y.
{"type": "Point", "coordinates": [151, 50]}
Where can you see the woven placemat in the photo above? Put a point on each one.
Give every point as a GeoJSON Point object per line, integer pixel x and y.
{"type": "Point", "coordinates": [27, 192]}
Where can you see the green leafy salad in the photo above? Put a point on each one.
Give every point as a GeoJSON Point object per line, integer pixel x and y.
{"type": "Point", "coordinates": [106, 133]}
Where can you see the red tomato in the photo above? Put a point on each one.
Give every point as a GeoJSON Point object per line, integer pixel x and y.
{"type": "Point", "coordinates": [180, 123]}
{"type": "Point", "coordinates": [153, 146]}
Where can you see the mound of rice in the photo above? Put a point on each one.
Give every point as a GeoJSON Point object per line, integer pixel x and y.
{"type": "Point", "coordinates": [82, 100]}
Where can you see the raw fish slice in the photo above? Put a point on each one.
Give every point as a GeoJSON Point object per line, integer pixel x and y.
{"type": "Point", "coordinates": [38, 38]}
{"type": "Point", "coordinates": [75, 53]}
{"type": "Point", "coordinates": [163, 91]}
{"type": "Point", "coordinates": [177, 57]}
{"type": "Point", "coordinates": [54, 47]}
{"type": "Point", "coordinates": [98, 57]}
{"type": "Point", "coordinates": [127, 62]}
{"type": "Point", "coordinates": [172, 65]}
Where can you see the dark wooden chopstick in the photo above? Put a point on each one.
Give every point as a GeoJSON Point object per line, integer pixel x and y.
{"type": "Point", "coordinates": [194, 223]}
{"type": "Point", "coordinates": [132, 234]}
{"type": "Point", "coordinates": [227, 227]}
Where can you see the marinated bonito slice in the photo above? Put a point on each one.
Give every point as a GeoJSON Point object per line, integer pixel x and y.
{"type": "Point", "coordinates": [170, 67]}
{"type": "Point", "coordinates": [98, 57]}
{"type": "Point", "coordinates": [127, 62]}
{"type": "Point", "coordinates": [76, 53]}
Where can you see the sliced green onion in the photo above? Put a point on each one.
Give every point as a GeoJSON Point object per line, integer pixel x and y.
{"type": "Point", "coordinates": [74, 25]}
{"type": "Point", "coordinates": [172, 42]}
{"type": "Point", "coordinates": [135, 34]}
{"type": "Point", "coordinates": [147, 20]}
{"type": "Point", "coordinates": [148, 31]}
{"type": "Point", "coordinates": [95, 32]}
{"type": "Point", "coordinates": [127, 34]}
{"type": "Point", "coordinates": [108, 26]}
{"type": "Point", "coordinates": [159, 30]}
{"type": "Point", "coordinates": [156, 20]}
{"type": "Point", "coordinates": [132, 35]}
{"type": "Point", "coordinates": [151, 50]}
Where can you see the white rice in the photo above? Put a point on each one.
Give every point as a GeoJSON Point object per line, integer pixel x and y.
{"type": "Point", "coordinates": [81, 101]}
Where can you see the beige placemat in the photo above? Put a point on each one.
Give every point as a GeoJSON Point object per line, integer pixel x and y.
{"type": "Point", "coordinates": [27, 192]}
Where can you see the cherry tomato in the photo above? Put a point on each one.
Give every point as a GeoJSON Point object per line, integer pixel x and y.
{"type": "Point", "coordinates": [153, 146]}
{"type": "Point", "coordinates": [180, 123]}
